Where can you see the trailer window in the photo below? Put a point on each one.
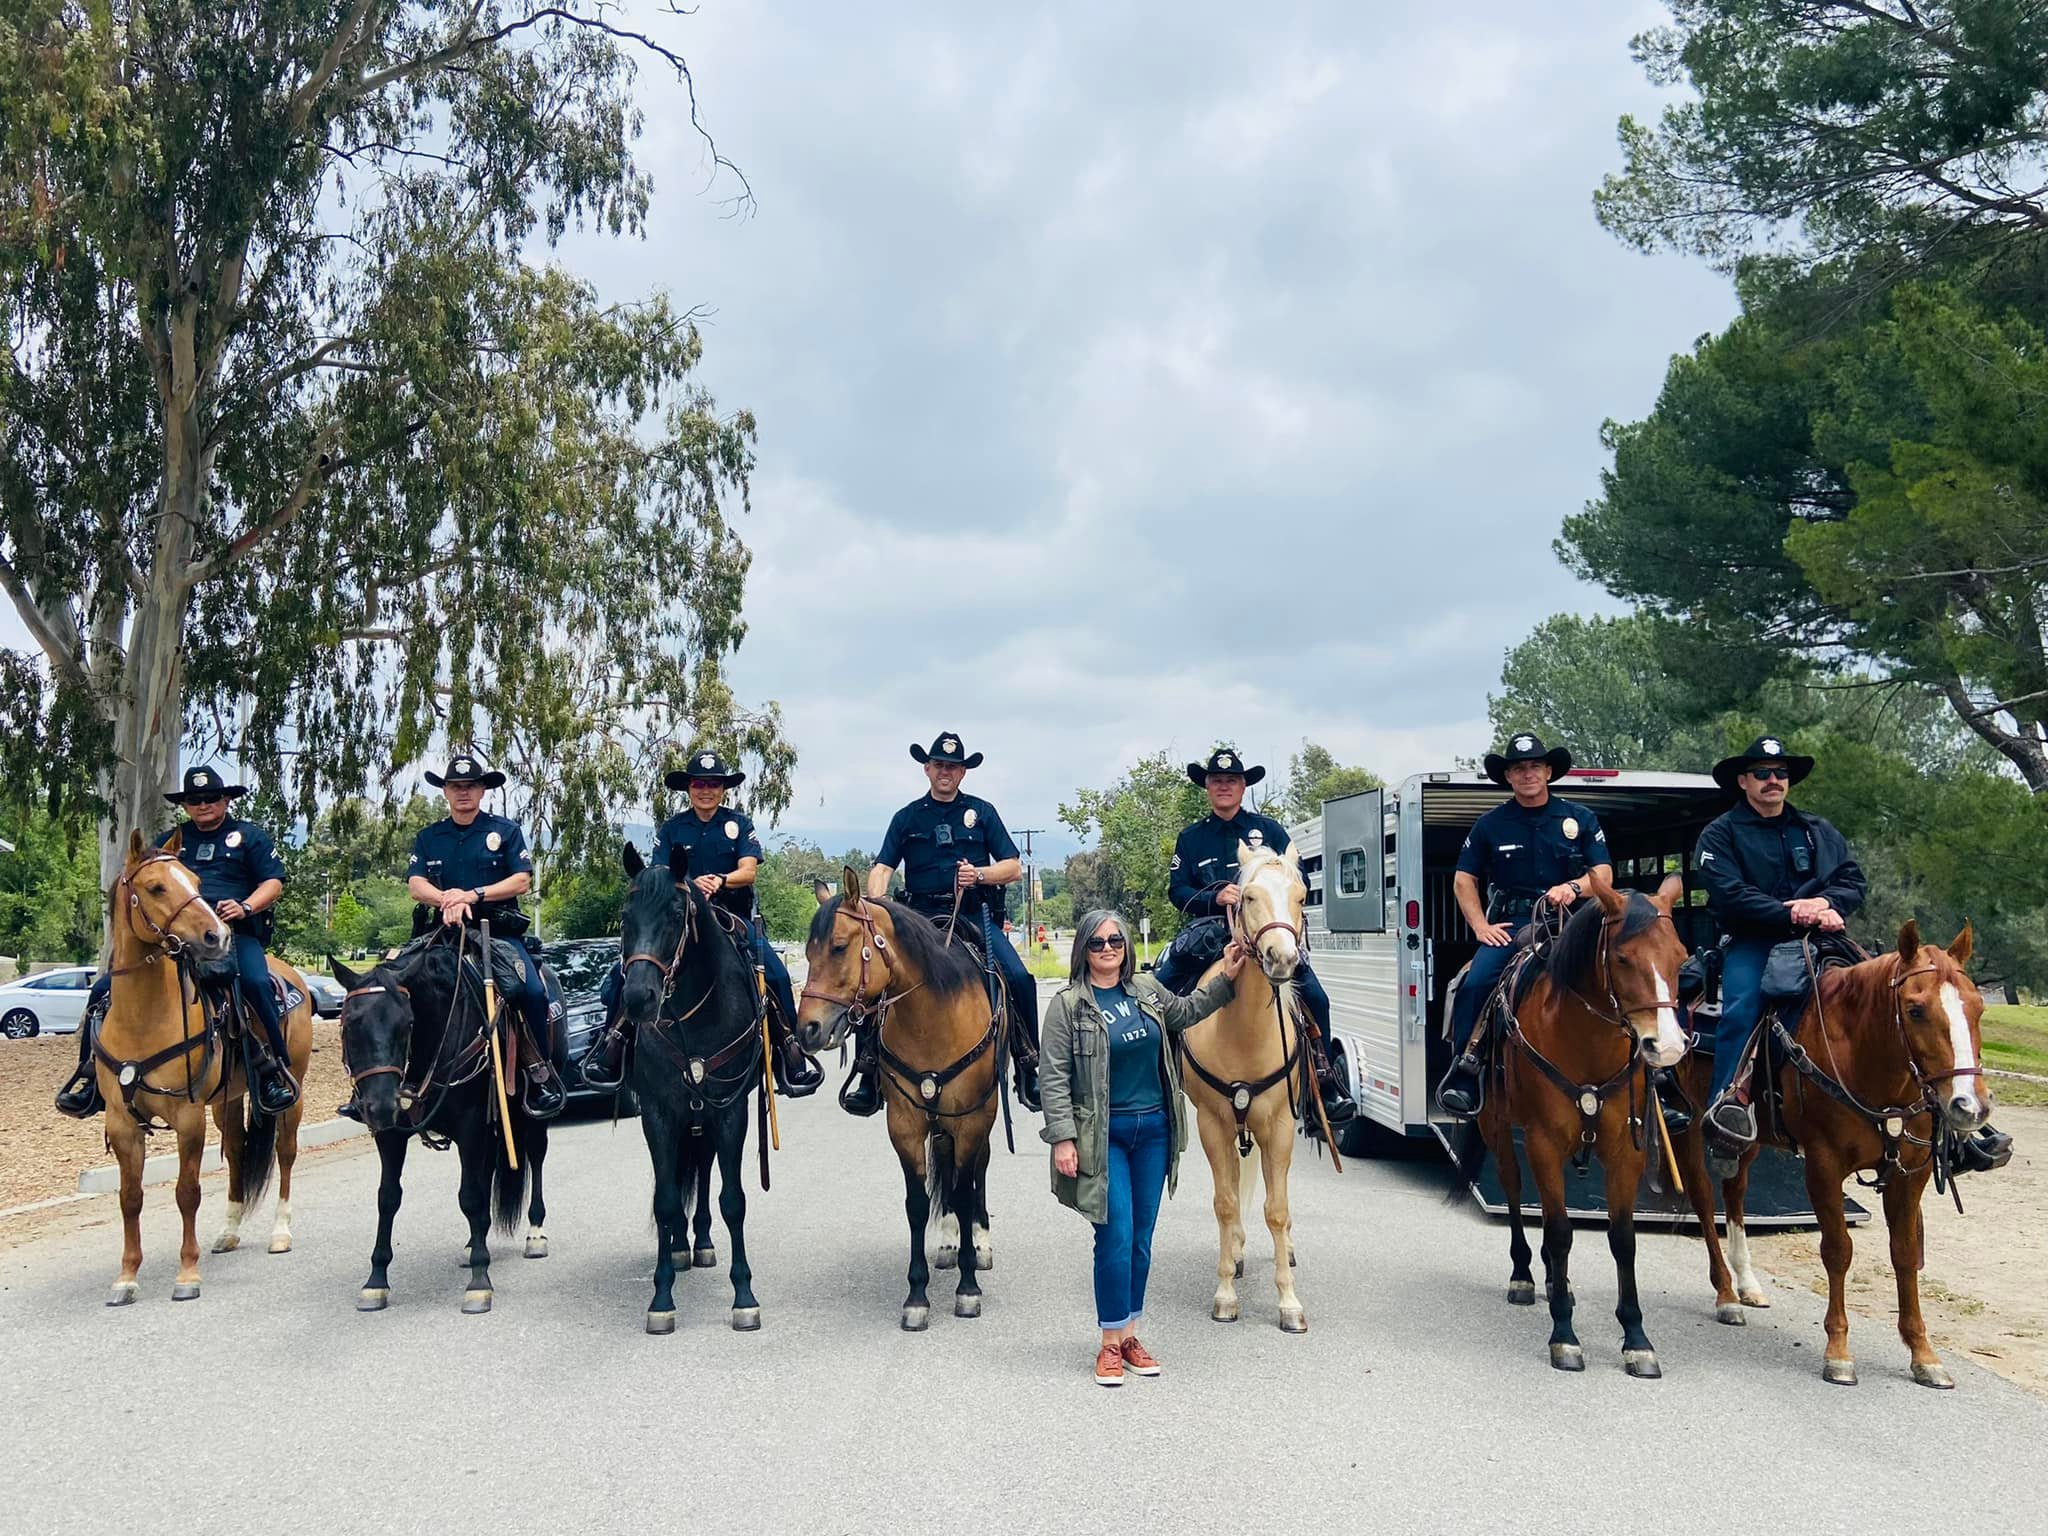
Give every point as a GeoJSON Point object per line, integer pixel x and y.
{"type": "Point", "coordinates": [1355, 875]}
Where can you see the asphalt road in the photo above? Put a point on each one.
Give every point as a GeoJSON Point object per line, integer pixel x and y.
{"type": "Point", "coordinates": [1419, 1400]}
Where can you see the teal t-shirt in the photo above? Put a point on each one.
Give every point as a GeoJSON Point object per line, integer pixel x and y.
{"type": "Point", "coordinates": [1134, 1046]}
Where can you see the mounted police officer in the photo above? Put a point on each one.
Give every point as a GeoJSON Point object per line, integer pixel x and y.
{"type": "Point", "coordinates": [1203, 885]}
{"type": "Point", "coordinates": [1535, 846]}
{"type": "Point", "coordinates": [240, 877]}
{"type": "Point", "coordinates": [954, 850]}
{"type": "Point", "coordinates": [472, 866]}
{"type": "Point", "coordinates": [724, 859]}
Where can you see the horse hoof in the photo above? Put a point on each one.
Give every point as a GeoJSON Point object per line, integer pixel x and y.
{"type": "Point", "coordinates": [661, 1322]}
{"type": "Point", "coordinates": [1567, 1357]}
{"type": "Point", "coordinates": [704, 1258]}
{"type": "Point", "coordinates": [1731, 1313]}
{"type": "Point", "coordinates": [1237, 1270]}
{"type": "Point", "coordinates": [1223, 1312]}
{"type": "Point", "coordinates": [1753, 1298]}
{"type": "Point", "coordinates": [946, 1258]}
{"type": "Point", "coordinates": [1642, 1364]}
{"type": "Point", "coordinates": [746, 1319]}
{"type": "Point", "coordinates": [916, 1319]}
{"type": "Point", "coordinates": [280, 1242]}
{"type": "Point", "coordinates": [227, 1242]}
{"type": "Point", "coordinates": [123, 1294]}
{"type": "Point", "coordinates": [373, 1298]}
{"type": "Point", "coordinates": [185, 1290]}
{"type": "Point", "coordinates": [1934, 1374]}
{"type": "Point", "coordinates": [967, 1306]}
{"type": "Point", "coordinates": [1522, 1293]}
{"type": "Point", "coordinates": [536, 1245]}
{"type": "Point", "coordinates": [1293, 1320]}
{"type": "Point", "coordinates": [1841, 1372]}
{"type": "Point", "coordinates": [474, 1302]}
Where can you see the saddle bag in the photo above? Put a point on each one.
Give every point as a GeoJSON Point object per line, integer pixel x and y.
{"type": "Point", "coordinates": [1785, 977]}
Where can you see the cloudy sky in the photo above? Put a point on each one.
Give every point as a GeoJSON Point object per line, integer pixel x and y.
{"type": "Point", "coordinates": [1127, 382]}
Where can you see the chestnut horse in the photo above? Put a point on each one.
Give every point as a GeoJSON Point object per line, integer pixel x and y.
{"type": "Point", "coordinates": [942, 1051]}
{"type": "Point", "coordinates": [162, 1059]}
{"type": "Point", "coordinates": [1887, 1063]}
{"type": "Point", "coordinates": [1572, 1072]}
{"type": "Point", "coordinates": [1243, 1074]}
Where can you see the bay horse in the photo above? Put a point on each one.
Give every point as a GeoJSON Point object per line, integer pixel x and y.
{"type": "Point", "coordinates": [1244, 1064]}
{"type": "Point", "coordinates": [1597, 1017]}
{"type": "Point", "coordinates": [693, 1004]}
{"type": "Point", "coordinates": [1884, 1068]}
{"type": "Point", "coordinates": [418, 1057]}
{"type": "Point", "coordinates": [942, 1051]}
{"type": "Point", "coordinates": [162, 1060]}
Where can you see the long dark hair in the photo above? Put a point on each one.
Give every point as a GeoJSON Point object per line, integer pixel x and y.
{"type": "Point", "coordinates": [1077, 967]}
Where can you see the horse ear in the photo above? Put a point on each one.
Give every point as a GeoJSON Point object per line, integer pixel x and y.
{"type": "Point", "coordinates": [1293, 858]}
{"type": "Point", "coordinates": [1244, 854]}
{"type": "Point", "coordinates": [1966, 941]}
{"type": "Point", "coordinates": [175, 844]}
{"type": "Point", "coordinates": [134, 845]}
{"type": "Point", "coordinates": [633, 862]}
{"type": "Point", "coordinates": [679, 862]}
{"type": "Point", "coordinates": [849, 885]}
{"type": "Point", "coordinates": [1602, 890]}
{"type": "Point", "coordinates": [1669, 894]}
{"type": "Point", "coordinates": [1909, 939]}
{"type": "Point", "coordinates": [341, 973]}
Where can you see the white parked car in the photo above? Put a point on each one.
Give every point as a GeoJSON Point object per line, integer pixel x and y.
{"type": "Point", "coordinates": [47, 1003]}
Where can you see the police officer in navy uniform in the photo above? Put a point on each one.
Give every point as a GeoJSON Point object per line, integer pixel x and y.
{"type": "Point", "coordinates": [1203, 884]}
{"type": "Point", "coordinates": [472, 866]}
{"type": "Point", "coordinates": [954, 847]}
{"type": "Point", "coordinates": [724, 858]}
{"type": "Point", "coordinates": [1535, 846]}
{"type": "Point", "coordinates": [240, 877]}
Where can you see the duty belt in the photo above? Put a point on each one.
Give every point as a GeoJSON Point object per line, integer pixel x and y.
{"type": "Point", "coordinates": [1512, 909]}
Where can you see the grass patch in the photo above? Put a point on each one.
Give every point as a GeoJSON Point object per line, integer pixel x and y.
{"type": "Point", "coordinates": [2016, 1039]}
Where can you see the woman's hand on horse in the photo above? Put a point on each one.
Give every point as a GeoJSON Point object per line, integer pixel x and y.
{"type": "Point", "coordinates": [1234, 956]}
{"type": "Point", "coordinates": [1066, 1159]}
{"type": "Point", "coordinates": [1496, 935]}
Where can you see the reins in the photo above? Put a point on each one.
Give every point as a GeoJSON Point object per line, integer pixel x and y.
{"type": "Point", "coordinates": [130, 1076]}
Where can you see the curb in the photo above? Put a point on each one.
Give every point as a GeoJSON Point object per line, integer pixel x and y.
{"type": "Point", "coordinates": [163, 1168]}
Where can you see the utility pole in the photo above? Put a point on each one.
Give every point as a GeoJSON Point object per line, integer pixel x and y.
{"type": "Point", "coordinates": [1027, 833]}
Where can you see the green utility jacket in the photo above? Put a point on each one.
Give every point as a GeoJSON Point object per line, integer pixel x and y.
{"type": "Point", "coordinates": [1073, 1080]}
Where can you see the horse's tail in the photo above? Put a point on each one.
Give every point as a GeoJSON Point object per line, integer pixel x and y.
{"type": "Point", "coordinates": [259, 1152]}
{"type": "Point", "coordinates": [938, 1174]}
{"type": "Point", "coordinates": [508, 1184]}
{"type": "Point", "coordinates": [1469, 1151]}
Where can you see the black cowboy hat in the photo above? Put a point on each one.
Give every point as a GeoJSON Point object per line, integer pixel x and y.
{"type": "Point", "coordinates": [703, 765]}
{"type": "Point", "coordinates": [467, 768]}
{"type": "Point", "coordinates": [1765, 749]}
{"type": "Point", "coordinates": [945, 748]}
{"type": "Point", "coordinates": [1225, 760]}
{"type": "Point", "coordinates": [206, 783]}
{"type": "Point", "coordinates": [1524, 747]}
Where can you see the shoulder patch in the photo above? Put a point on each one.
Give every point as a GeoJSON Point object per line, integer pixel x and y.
{"type": "Point", "coordinates": [1176, 862]}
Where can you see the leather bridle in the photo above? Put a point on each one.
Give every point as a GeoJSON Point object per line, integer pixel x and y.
{"type": "Point", "coordinates": [859, 1007]}
{"type": "Point", "coordinates": [161, 940]}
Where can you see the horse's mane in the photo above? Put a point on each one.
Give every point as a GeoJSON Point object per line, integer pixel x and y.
{"type": "Point", "coordinates": [1571, 957]}
{"type": "Point", "coordinates": [1866, 983]}
{"type": "Point", "coordinates": [945, 968]}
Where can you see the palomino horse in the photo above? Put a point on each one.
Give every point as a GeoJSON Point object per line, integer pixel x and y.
{"type": "Point", "coordinates": [1244, 1065]}
{"type": "Point", "coordinates": [942, 1057]}
{"type": "Point", "coordinates": [419, 1058]}
{"type": "Point", "coordinates": [1884, 1067]}
{"type": "Point", "coordinates": [692, 1002]}
{"type": "Point", "coordinates": [1573, 1072]}
{"type": "Point", "coordinates": [161, 1061]}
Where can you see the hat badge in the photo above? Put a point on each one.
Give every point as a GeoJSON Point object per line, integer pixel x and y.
{"type": "Point", "coordinates": [201, 779]}
{"type": "Point", "coordinates": [1772, 745]}
{"type": "Point", "coordinates": [949, 745]}
{"type": "Point", "coordinates": [1524, 743]}
{"type": "Point", "coordinates": [1225, 760]}
{"type": "Point", "coordinates": [707, 761]}
{"type": "Point", "coordinates": [464, 765]}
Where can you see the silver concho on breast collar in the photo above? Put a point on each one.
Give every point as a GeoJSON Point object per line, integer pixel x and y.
{"type": "Point", "coordinates": [1589, 1103]}
{"type": "Point", "coordinates": [1242, 1099]}
{"type": "Point", "coordinates": [928, 1088]}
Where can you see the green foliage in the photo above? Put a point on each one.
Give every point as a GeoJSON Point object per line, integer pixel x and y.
{"type": "Point", "coordinates": [1134, 822]}
{"type": "Point", "coordinates": [1057, 911]}
{"type": "Point", "coordinates": [1599, 687]}
{"type": "Point", "coordinates": [1313, 776]}
{"type": "Point", "coordinates": [355, 850]}
{"type": "Point", "coordinates": [584, 902]}
{"type": "Point", "coordinates": [51, 905]}
{"type": "Point", "coordinates": [1851, 121]}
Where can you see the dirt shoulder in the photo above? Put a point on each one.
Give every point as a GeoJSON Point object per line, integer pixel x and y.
{"type": "Point", "coordinates": [1981, 1288]}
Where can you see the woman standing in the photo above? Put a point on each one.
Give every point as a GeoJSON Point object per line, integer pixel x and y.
{"type": "Point", "coordinates": [1115, 1116]}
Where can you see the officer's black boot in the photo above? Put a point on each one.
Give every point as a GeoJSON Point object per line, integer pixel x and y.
{"type": "Point", "coordinates": [1027, 1085]}
{"type": "Point", "coordinates": [271, 1084]}
{"type": "Point", "coordinates": [604, 1064]}
{"type": "Point", "coordinates": [543, 1095]}
{"type": "Point", "coordinates": [1677, 1107]}
{"type": "Point", "coordinates": [1462, 1091]}
{"type": "Point", "coordinates": [862, 1094]}
{"type": "Point", "coordinates": [80, 1096]}
{"type": "Point", "coordinates": [797, 1075]}
{"type": "Point", "coordinates": [1338, 1105]}
{"type": "Point", "coordinates": [1983, 1150]}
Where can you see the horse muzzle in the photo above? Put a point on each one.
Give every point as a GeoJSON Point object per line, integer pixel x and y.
{"type": "Point", "coordinates": [822, 1034]}
{"type": "Point", "coordinates": [1967, 1110]}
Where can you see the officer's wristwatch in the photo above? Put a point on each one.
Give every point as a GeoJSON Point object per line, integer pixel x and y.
{"type": "Point", "coordinates": [1578, 890]}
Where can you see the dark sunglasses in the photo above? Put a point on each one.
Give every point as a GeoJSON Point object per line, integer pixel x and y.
{"type": "Point", "coordinates": [707, 784]}
{"type": "Point", "coordinates": [1771, 773]}
{"type": "Point", "coordinates": [209, 800]}
{"type": "Point", "coordinates": [1097, 946]}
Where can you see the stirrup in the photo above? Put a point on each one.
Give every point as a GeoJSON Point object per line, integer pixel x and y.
{"type": "Point", "coordinates": [1731, 1125]}
{"type": "Point", "coordinates": [1462, 1093]}
{"type": "Point", "coordinates": [80, 1096]}
{"type": "Point", "coordinates": [542, 1094]}
{"type": "Point", "coordinates": [599, 1068]}
{"type": "Point", "coordinates": [797, 1079]}
{"type": "Point", "coordinates": [861, 1093]}
{"type": "Point", "coordinates": [1984, 1150]}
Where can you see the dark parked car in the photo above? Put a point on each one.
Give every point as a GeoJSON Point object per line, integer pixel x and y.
{"type": "Point", "coordinates": [581, 965]}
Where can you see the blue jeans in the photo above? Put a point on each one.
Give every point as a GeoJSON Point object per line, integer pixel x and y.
{"type": "Point", "coordinates": [1487, 967]}
{"type": "Point", "coordinates": [1138, 1149]}
{"type": "Point", "coordinates": [1742, 1004]}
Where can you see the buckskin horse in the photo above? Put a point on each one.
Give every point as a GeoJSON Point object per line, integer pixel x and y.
{"type": "Point", "coordinates": [1244, 1065]}
{"type": "Point", "coordinates": [1883, 1071]}
{"type": "Point", "coordinates": [693, 1003]}
{"type": "Point", "coordinates": [419, 1058]}
{"type": "Point", "coordinates": [163, 1055]}
{"type": "Point", "coordinates": [942, 1051]}
{"type": "Point", "coordinates": [1592, 1018]}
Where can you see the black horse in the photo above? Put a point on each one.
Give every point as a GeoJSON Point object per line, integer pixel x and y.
{"type": "Point", "coordinates": [415, 1049]}
{"type": "Point", "coordinates": [692, 1004]}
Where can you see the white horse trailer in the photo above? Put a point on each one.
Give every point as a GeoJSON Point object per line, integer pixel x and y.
{"type": "Point", "coordinates": [1387, 938]}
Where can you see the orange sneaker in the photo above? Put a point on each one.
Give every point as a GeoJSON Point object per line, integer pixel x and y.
{"type": "Point", "coordinates": [1138, 1358]}
{"type": "Point", "coordinates": [1109, 1367]}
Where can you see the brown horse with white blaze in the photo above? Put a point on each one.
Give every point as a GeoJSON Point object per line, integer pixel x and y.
{"type": "Point", "coordinates": [162, 1061]}
{"type": "Point", "coordinates": [942, 1054]}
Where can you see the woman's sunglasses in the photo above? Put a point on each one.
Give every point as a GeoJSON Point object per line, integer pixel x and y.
{"type": "Point", "coordinates": [1097, 946]}
{"type": "Point", "coordinates": [1771, 773]}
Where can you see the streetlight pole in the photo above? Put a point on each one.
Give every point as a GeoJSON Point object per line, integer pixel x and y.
{"type": "Point", "coordinates": [1027, 833]}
